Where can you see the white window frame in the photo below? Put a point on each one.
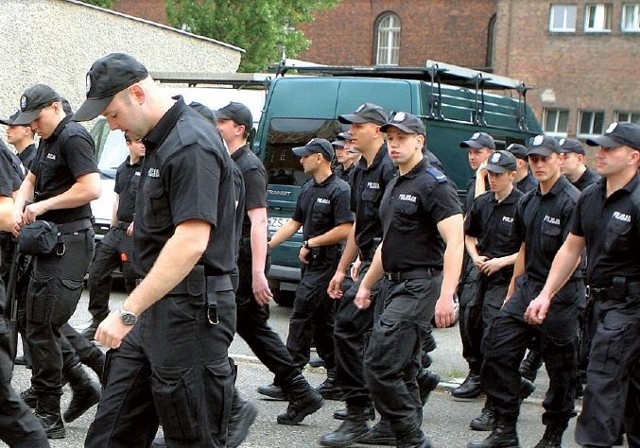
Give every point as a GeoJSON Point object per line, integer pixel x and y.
{"type": "Point", "coordinates": [562, 8]}
{"type": "Point", "coordinates": [627, 115]}
{"type": "Point", "coordinates": [555, 131]}
{"type": "Point", "coordinates": [592, 120]}
{"type": "Point", "coordinates": [602, 18]}
{"type": "Point", "coordinates": [632, 9]}
{"type": "Point", "coordinates": [388, 40]}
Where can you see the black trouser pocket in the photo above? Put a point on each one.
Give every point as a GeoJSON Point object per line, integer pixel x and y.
{"type": "Point", "coordinates": [220, 377]}
{"type": "Point", "coordinates": [40, 298]}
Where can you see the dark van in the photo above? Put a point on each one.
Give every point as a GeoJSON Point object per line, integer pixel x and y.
{"type": "Point", "coordinates": [453, 102]}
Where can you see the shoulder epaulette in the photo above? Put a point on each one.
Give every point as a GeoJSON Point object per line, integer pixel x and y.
{"type": "Point", "coordinates": [437, 174]}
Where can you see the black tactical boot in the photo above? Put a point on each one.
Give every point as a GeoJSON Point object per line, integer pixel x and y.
{"type": "Point", "coordinates": [29, 397]}
{"type": "Point", "coordinates": [427, 382]}
{"type": "Point", "coordinates": [243, 414]}
{"type": "Point", "coordinates": [486, 421]}
{"type": "Point", "coordinates": [328, 389]}
{"type": "Point", "coordinates": [303, 401]}
{"type": "Point", "coordinates": [86, 392]}
{"type": "Point", "coordinates": [342, 414]}
{"type": "Point", "coordinates": [552, 437]}
{"type": "Point", "coordinates": [413, 439]}
{"type": "Point", "coordinates": [272, 391]}
{"type": "Point", "coordinates": [503, 436]}
{"type": "Point", "coordinates": [526, 388]}
{"type": "Point", "coordinates": [48, 412]}
{"type": "Point", "coordinates": [470, 387]}
{"type": "Point", "coordinates": [530, 365]}
{"type": "Point", "coordinates": [380, 434]}
{"type": "Point", "coordinates": [350, 430]}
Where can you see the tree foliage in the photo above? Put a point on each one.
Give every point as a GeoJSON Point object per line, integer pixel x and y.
{"type": "Point", "coordinates": [261, 27]}
{"type": "Point", "coordinates": [102, 3]}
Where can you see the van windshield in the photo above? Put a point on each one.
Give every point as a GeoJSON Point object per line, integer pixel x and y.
{"type": "Point", "coordinates": [283, 167]}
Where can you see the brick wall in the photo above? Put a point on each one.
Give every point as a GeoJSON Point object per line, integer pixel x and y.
{"type": "Point", "coordinates": [453, 31]}
{"type": "Point", "coordinates": [154, 10]}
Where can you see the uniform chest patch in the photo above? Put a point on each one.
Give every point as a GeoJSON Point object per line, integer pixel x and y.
{"type": "Point", "coordinates": [507, 219]}
{"type": "Point", "coordinates": [621, 216]}
{"type": "Point", "coordinates": [153, 172]}
{"type": "Point", "coordinates": [552, 220]}
{"type": "Point", "coordinates": [323, 201]}
{"type": "Point", "coordinates": [51, 156]}
{"type": "Point", "coordinates": [407, 198]}
{"type": "Point", "coordinates": [373, 185]}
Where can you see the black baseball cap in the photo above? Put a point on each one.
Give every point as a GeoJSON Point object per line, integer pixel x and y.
{"type": "Point", "coordinates": [518, 150]}
{"type": "Point", "coordinates": [366, 113]}
{"type": "Point", "coordinates": [345, 136]}
{"type": "Point", "coordinates": [315, 146]}
{"type": "Point", "coordinates": [571, 145]}
{"type": "Point", "coordinates": [406, 122]}
{"type": "Point", "coordinates": [33, 100]}
{"type": "Point", "coordinates": [339, 143]}
{"type": "Point", "coordinates": [9, 121]}
{"type": "Point", "coordinates": [238, 113]}
{"type": "Point", "coordinates": [618, 134]}
{"type": "Point", "coordinates": [544, 145]}
{"type": "Point", "coordinates": [479, 140]}
{"type": "Point", "coordinates": [204, 111]}
{"type": "Point", "coordinates": [107, 77]}
{"type": "Point", "coordinates": [501, 162]}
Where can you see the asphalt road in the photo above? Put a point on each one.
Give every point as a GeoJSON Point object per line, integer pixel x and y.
{"type": "Point", "coordinates": [446, 420]}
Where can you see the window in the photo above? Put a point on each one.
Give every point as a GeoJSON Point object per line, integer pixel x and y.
{"type": "Point", "coordinates": [388, 50]}
{"type": "Point", "coordinates": [563, 18]}
{"type": "Point", "coordinates": [631, 17]}
{"type": "Point", "coordinates": [591, 122]}
{"type": "Point", "coordinates": [631, 117]}
{"type": "Point", "coordinates": [597, 17]}
{"type": "Point", "coordinates": [556, 121]}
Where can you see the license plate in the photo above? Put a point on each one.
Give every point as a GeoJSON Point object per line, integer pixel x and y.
{"type": "Point", "coordinates": [276, 223]}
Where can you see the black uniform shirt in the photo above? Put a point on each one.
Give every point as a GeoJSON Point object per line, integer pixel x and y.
{"type": "Point", "coordinates": [527, 183]}
{"type": "Point", "coordinates": [343, 174]}
{"type": "Point", "coordinates": [490, 222]}
{"type": "Point", "coordinates": [28, 155]}
{"type": "Point", "coordinates": [17, 171]}
{"type": "Point", "coordinates": [410, 211]}
{"type": "Point", "coordinates": [186, 175]}
{"type": "Point", "coordinates": [322, 206]}
{"type": "Point", "coordinates": [611, 228]}
{"type": "Point", "coordinates": [471, 192]}
{"type": "Point", "coordinates": [543, 222]}
{"type": "Point", "coordinates": [369, 184]}
{"type": "Point", "coordinates": [588, 177]}
{"type": "Point", "coordinates": [255, 183]}
{"type": "Point", "coordinates": [6, 190]}
{"type": "Point", "coordinates": [63, 157]}
{"type": "Point", "coordinates": [126, 186]}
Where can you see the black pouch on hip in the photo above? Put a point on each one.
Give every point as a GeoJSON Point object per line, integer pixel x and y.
{"type": "Point", "coordinates": [38, 238]}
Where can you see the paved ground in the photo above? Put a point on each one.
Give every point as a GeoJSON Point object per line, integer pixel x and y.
{"type": "Point", "coordinates": [446, 420]}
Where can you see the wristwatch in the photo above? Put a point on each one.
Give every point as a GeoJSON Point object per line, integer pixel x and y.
{"type": "Point", "coordinates": [128, 318]}
{"type": "Point", "coordinates": [305, 244]}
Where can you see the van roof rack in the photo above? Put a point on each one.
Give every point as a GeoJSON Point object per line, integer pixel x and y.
{"type": "Point", "coordinates": [235, 80]}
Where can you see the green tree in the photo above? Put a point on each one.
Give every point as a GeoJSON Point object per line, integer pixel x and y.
{"type": "Point", "coordinates": [102, 3]}
{"type": "Point", "coordinates": [261, 27]}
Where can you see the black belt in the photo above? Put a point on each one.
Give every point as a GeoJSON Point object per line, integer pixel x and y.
{"type": "Point", "coordinates": [124, 224]}
{"type": "Point", "coordinates": [74, 226]}
{"type": "Point", "coordinates": [612, 292]}
{"type": "Point", "coordinates": [411, 274]}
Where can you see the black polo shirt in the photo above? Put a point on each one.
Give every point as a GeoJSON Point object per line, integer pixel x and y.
{"type": "Point", "coordinates": [6, 190]}
{"type": "Point", "coordinates": [343, 174]}
{"type": "Point", "coordinates": [543, 222]}
{"type": "Point", "coordinates": [410, 211]}
{"type": "Point", "coordinates": [527, 183]}
{"type": "Point", "coordinates": [63, 157]}
{"type": "Point", "coordinates": [588, 177]}
{"type": "Point", "coordinates": [28, 155]}
{"type": "Point", "coordinates": [17, 172]}
{"type": "Point", "coordinates": [255, 183]}
{"type": "Point", "coordinates": [611, 228]}
{"type": "Point", "coordinates": [186, 175]}
{"type": "Point", "coordinates": [369, 184]}
{"type": "Point", "coordinates": [471, 192]}
{"type": "Point", "coordinates": [490, 222]}
{"type": "Point", "coordinates": [126, 186]}
{"type": "Point", "coordinates": [322, 206]}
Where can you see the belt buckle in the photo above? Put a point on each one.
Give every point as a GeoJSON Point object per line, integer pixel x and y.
{"type": "Point", "coordinates": [392, 276]}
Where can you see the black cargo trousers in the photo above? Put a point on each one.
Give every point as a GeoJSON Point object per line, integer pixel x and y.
{"type": "Point", "coordinates": [172, 369]}
{"type": "Point", "coordinates": [53, 294]}
{"type": "Point", "coordinates": [253, 324]}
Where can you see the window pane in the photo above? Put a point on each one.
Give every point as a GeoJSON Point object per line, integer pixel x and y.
{"type": "Point", "coordinates": [571, 12]}
{"type": "Point", "coordinates": [598, 123]}
{"type": "Point", "coordinates": [585, 122]}
{"type": "Point", "coordinates": [563, 121]}
{"type": "Point", "coordinates": [563, 18]}
{"type": "Point", "coordinates": [388, 41]}
{"type": "Point", "coordinates": [550, 120]}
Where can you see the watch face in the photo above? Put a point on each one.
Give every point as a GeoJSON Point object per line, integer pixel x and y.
{"type": "Point", "coordinates": [128, 318]}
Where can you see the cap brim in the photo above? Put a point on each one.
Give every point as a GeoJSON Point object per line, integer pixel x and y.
{"type": "Point", "coordinates": [542, 151]}
{"type": "Point", "coordinates": [91, 108]}
{"type": "Point", "coordinates": [302, 151]}
{"type": "Point", "coordinates": [26, 117]}
{"type": "Point", "coordinates": [497, 169]}
{"type": "Point", "coordinates": [471, 144]}
{"type": "Point", "coordinates": [339, 143]}
{"type": "Point", "coordinates": [604, 141]}
{"type": "Point", "coordinates": [402, 127]}
{"type": "Point", "coordinates": [6, 122]}
{"type": "Point", "coordinates": [351, 118]}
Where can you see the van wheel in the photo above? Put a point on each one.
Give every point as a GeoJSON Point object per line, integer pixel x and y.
{"type": "Point", "coordinates": [282, 298]}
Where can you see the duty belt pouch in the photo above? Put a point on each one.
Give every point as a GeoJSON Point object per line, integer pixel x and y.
{"type": "Point", "coordinates": [38, 238]}
{"type": "Point", "coordinates": [618, 288]}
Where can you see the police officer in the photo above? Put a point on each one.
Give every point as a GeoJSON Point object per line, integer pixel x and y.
{"type": "Point", "coordinates": [420, 258]}
{"type": "Point", "coordinates": [573, 164]}
{"type": "Point", "coordinates": [114, 249]}
{"type": "Point", "coordinates": [322, 210]}
{"type": "Point", "coordinates": [61, 182]}
{"type": "Point", "coordinates": [525, 181]}
{"type": "Point", "coordinates": [479, 146]}
{"type": "Point", "coordinates": [542, 221]}
{"type": "Point", "coordinates": [370, 178]}
{"type": "Point", "coordinates": [21, 137]}
{"type": "Point", "coordinates": [492, 248]}
{"type": "Point", "coordinates": [607, 225]}
{"type": "Point", "coordinates": [253, 294]}
{"type": "Point", "coordinates": [18, 426]}
{"type": "Point", "coordinates": [346, 156]}
{"type": "Point", "coordinates": [184, 246]}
